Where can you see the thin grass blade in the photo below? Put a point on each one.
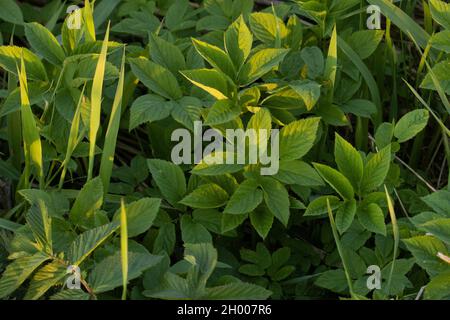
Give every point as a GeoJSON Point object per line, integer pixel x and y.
{"type": "Point", "coordinates": [96, 102]}
{"type": "Point", "coordinates": [109, 147]}
{"type": "Point", "coordinates": [30, 132]}
{"type": "Point", "coordinates": [124, 248]}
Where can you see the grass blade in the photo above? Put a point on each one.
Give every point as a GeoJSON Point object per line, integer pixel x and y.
{"type": "Point", "coordinates": [96, 102]}
{"type": "Point", "coordinates": [74, 137]}
{"type": "Point", "coordinates": [402, 20]}
{"type": "Point", "coordinates": [30, 132]}
{"type": "Point", "coordinates": [367, 75]}
{"type": "Point", "coordinates": [124, 248]}
{"type": "Point", "coordinates": [395, 234]}
{"type": "Point", "coordinates": [340, 248]}
{"type": "Point", "coordinates": [331, 64]}
{"type": "Point", "coordinates": [109, 147]}
{"type": "Point", "coordinates": [89, 26]}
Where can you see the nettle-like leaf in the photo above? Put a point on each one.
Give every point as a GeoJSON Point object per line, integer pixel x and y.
{"type": "Point", "coordinates": [18, 271]}
{"type": "Point", "coordinates": [336, 180]}
{"type": "Point", "coordinates": [140, 215]}
{"type": "Point", "coordinates": [259, 64]}
{"type": "Point", "coordinates": [276, 199]}
{"type": "Point", "coordinates": [212, 81]}
{"type": "Point", "coordinates": [149, 108]}
{"type": "Point", "coordinates": [349, 161]}
{"type": "Point", "coordinates": [169, 178]}
{"type": "Point", "coordinates": [238, 42]}
{"type": "Point", "coordinates": [297, 138]}
{"type": "Point", "coordinates": [245, 199]}
{"type": "Point", "coordinates": [88, 241]}
{"type": "Point", "coordinates": [206, 196]}
{"type": "Point", "coordinates": [166, 54]}
{"type": "Point", "coordinates": [376, 169]}
{"type": "Point", "coordinates": [216, 57]}
{"type": "Point", "coordinates": [157, 78]}
{"type": "Point", "coordinates": [43, 41]}
{"type": "Point", "coordinates": [87, 202]}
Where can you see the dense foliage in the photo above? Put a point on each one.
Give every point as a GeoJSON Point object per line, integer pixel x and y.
{"type": "Point", "coordinates": [88, 186]}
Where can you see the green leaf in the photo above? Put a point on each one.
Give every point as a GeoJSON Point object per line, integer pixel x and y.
{"type": "Point", "coordinates": [193, 232]}
{"type": "Point", "coordinates": [166, 54]}
{"type": "Point", "coordinates": [439, 201]}
{"type": "Point", "coordinates": [283, 273]}
{"type": "Point", "coordinates": [44, 43]}
{"type": "Point", "coordinates": [441, 41]}
{"type": "Point", "coordinates": [238, 42]}
{"type": "Point", "coordinates": [261, 219]}
{"type": "Point", "coordinates": [216, 57]}
{"type": "Point", "coordinates": [165, 240]}
{"type": "Point", "coordinates": [237, 291]}
{"type": "Point", "coordinates": [314, 61]}
{"type": "Point", "coordinates": [440, 228]}
{"type": "Point", "coordinates": [440, 12]}
{"type": "Point", "coordinates": [260, 63]}
{"type": "Point", "coordinates": [349, 161]}
{"type": "Point", "coordinates": [365, 42]}
{"type": "Point", "coordinates": [297, 138]}
{"type": "Point", "coordinates": [107, 274]}
{"type": "Point", "coordinates": [169, 178]}
{"type": "Point", "coordinates": [206, 196]}
{"type": "Point", "coordinates": [384, 134]}
{"type": "Point", "coordinates": [88, 241]}
{"type": "Point", "coordinates": [156, 78]}
{"type": "Point", "coordinates": [210, 80]}
{"type": "Point", "coordinates": [308, 90]}
{"type": "Point", "coordinates": [345, 215]}
{"type": "Point", "coordinates": [437, 288]}
{"type": "Point", "coordinates": [372, 218]}
{"type": "Point", "coordinates": [365, 72]}
{"type": "Point", "coordinates": [336, 180]}
{"type": "Point", "coordinates": [45, 278]}
{"type": "Point", "coordinates": [251, 270]}
{"type": "Point", "coordinates": [89, 199]}
{"type": "Point", "coordinates": [360, 107]}
{"type": "Point", "coordinates": [10, 58]}
{"type": "Point", "coordinates": [222, 111]}
{"type": "Point", "coordinates": [70, 294]}
{"type": "Point", "coordinates": [11, 12]}
{"type": "Point", "coordinates": [402, 20]}
{"type": "Point", "coordinates": [425, 250]}
{"type": "Point", "coordinates": [333, 280]}
{"type": "Point", "coordinates": [245, 199]}
{"type": "Point", "coordinates": [148, 108]}
{"type": "Point", "coordinates": [267, 27]}
{"type": "Point", "coordinates": [411, 124]}
{"type": "Point", "coordinates": [18, 271]}
{"type": "Point", "coordinates": [40, 224]}
{"type": "Point", "coordinates": [276, 198]}
{"type": "Point", "coordinates": [299, 173]}
{"type": "Point", "coordinates": [209, 167]}
{"type": "Point", "coordinates": [9, 225]}
{"type": "Point", "coordinates": [376, 170]}
{"type": "Point", "coordinates": [318, 206]}
{"type": "Point", "coordinates": [441, 73]}
{"type": "Point", "coordinates": [140, 215]}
